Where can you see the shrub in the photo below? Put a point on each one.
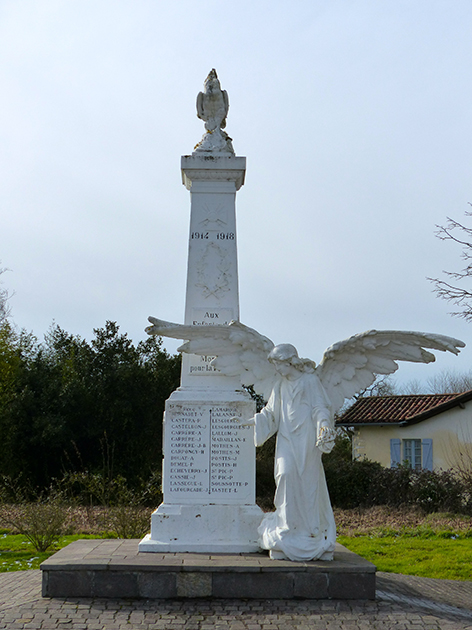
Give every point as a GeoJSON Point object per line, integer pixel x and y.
{"type": "Point", "coordinates": [86, 488]}
{"type": "Point", "coordinates": [365, 483]}
{"type": "Point", "coordinates": [391, 486]}
{"type": "Point", "coordinates": [16, 490]}
{"type": "Point", "coordinates": [128, 521]}
{"type": "Point", "coordinates": [265, 484]}
{"type": "Point", "coordinates": [41, 522]}
{"type": "Point", "coordinates": [351, 484]}
{"type": "Point", "coordinates": [90, 489]}
{"type": "Point", "coordinates": [439, 491]}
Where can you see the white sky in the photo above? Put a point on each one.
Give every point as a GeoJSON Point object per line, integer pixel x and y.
{"type": "Point", "coordinates": [355, 118]}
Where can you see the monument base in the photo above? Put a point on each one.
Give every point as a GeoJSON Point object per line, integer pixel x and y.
{"type": "Point", "coordinates": [203, 529]}
{"type": "Point", "coordinates": [114, 568]}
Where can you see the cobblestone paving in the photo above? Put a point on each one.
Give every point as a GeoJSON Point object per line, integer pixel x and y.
{"type": "Point", "coordinates": [403, 603]}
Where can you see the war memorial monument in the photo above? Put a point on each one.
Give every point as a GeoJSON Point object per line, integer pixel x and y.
{"type": "Point", "coordinates": [209, 538]}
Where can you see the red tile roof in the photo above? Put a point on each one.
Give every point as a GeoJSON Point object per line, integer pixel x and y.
{"type": "Point", "coordinates": [400, 409]}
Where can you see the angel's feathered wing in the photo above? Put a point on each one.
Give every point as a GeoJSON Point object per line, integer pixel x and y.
{"type": "Point", "coordinates": [239, 350]}
{"type": "Point", "coordinates": [351, 365]}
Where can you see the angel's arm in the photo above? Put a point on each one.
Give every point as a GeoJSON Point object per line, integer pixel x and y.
{"type": "Point", "coordinates": [322, 417]}
{"type": "Point", "coordinates": [265, 422]}
{"type": "Point", "coordinates": [240, 351]}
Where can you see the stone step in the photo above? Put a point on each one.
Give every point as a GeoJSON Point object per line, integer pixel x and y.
{"type": "Point", "coordinates": [116, 569]}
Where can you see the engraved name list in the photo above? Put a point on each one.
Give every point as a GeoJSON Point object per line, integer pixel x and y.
{"type": "Point", "coordinates": [208, 457]}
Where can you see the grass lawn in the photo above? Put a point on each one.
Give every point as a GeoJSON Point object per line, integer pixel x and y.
{"type": "Point", "coordinates": [434, 557]}
{"type": "Point", "coordinates": [17, 554]}
{"type": "Point", "coordinates": [409, 542]}
{"type": "Point", "coordinates": [411, 553]}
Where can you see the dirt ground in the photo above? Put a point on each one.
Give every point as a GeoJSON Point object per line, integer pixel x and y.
{"type": "Point", "coordinates": [94, 520]}
{"type": "Point", "coordinates": [349, 522]}
{"type": "Point", "coordinates": [373, 520]}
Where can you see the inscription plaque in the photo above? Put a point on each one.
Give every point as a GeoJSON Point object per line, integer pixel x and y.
{"type": "Point", "coordinates": [208, 457]}
{"type": "Point", "coordinates": [201, 365]}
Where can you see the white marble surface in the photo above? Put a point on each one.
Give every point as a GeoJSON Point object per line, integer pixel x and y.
{"type": "Point", "coordinates": [203, 529]}
{"type": "Point", "coordinates": [212, 294]}
{"type": "Point", "coordinates": [208, 475]}
{"type": "Point", "coordinates": [209, 460]}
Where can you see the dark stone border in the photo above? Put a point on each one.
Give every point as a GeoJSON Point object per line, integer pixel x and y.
{"type": "Point", "coordinates": [115, 568]}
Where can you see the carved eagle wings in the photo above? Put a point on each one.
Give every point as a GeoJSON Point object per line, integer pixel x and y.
{"type": "Point", "coordinates": [213, 103]}
{"type": "Point", "coordinates": [347, 367]}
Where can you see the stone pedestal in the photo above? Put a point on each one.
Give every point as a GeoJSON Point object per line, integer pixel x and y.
{"type": "Point", "coordinates": [203, 529]}
{"type": "Point", "coordinates": [209, 459]}
{"type": "Point", "coordinates": [208, 476]}
{"type": "Point", "coordinates": [114, 568]}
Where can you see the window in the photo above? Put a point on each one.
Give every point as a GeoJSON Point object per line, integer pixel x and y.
{"type": "Point", "coordinates": [412, 453]}
{"type": "Point", "coordinates": [417, 453]}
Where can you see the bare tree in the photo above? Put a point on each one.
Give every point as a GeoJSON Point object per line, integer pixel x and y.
{"type": "Point", "coordinates": [383, 385]}
{"type": "Point", "coordinates": [412, 388]}
{"type": "Point", "coordinates": [453, 291]}
{"type": "Point", "coordinates": [459, 456]}
{"type": "Point", "coordinates": [4, 297]}
{"type": "Point", "coordinates": [449, 382]}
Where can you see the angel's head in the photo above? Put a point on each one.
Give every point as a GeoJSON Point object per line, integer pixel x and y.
{"type": "Point", "coordinates": [285, 359]}
{"type": "Point", "coordinates": [284, 353]}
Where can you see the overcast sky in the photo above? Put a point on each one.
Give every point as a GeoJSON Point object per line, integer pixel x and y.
{"type": "Point", "coordinates": [355, 117]}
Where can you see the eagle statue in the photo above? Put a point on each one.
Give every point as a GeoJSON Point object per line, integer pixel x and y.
{"type": "Point", "coordinates": [212, 108]}
{"type": "Point", "coordinates": [213, 103]}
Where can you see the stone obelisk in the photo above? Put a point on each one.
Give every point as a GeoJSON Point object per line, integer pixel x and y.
{"type": "Point", "coordinates": [209, 460]}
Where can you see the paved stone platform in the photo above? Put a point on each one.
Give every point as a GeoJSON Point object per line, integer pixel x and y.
{"type": "Point", "coordinates": [402, 603]}
{"type": "Point", "coordinates": [115, 568]}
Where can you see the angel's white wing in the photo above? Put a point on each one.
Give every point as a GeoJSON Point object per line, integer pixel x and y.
{"type": "Point", "coordinates": [351, 365]}
{"type": "Point", "coordinates": [239, 350]}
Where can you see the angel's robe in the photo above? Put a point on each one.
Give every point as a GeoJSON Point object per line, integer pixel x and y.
{"type": "Point", "coordinates": [302, 526]}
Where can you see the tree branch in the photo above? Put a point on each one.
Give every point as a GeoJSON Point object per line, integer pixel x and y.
{"type": "Point", "coordinates": [457, 294]}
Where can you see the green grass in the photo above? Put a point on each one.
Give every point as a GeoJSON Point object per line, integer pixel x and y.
{"type": "Point", "coordinates": [420, 551]}
{"type": "Point", "coordinates": [17, 554]}
{"type": "Point", "coordinates": [446, 555]}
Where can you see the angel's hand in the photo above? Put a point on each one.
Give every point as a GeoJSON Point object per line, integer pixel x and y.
{"type": "Point", "coordinates": [243, 423]}
{"type": "Point", "coordinates": [326, 438]}
{"type": "Point", "coordinates": [152, 330]}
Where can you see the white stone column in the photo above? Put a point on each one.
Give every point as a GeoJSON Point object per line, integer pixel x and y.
{"type": "Point", "coordinates": [212, 273]}
{"type": "Point", "coordinates": [209, 460]}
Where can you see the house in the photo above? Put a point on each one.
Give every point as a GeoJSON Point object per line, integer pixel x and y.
{"type": "Point", "coordinates": [428, 431]}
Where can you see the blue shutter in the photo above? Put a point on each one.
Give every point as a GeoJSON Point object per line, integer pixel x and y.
{"type": "Point", "coordinates": [427, 447]}
{"type": "Point", "coordinates": [395, 452]}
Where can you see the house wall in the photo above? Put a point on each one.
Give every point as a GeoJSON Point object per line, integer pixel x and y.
{"type": "Point", "coordinates": [451, 432]}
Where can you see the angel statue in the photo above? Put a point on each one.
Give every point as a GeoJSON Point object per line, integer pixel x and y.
{"type": "Point", "coordinates": [302, 401]}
